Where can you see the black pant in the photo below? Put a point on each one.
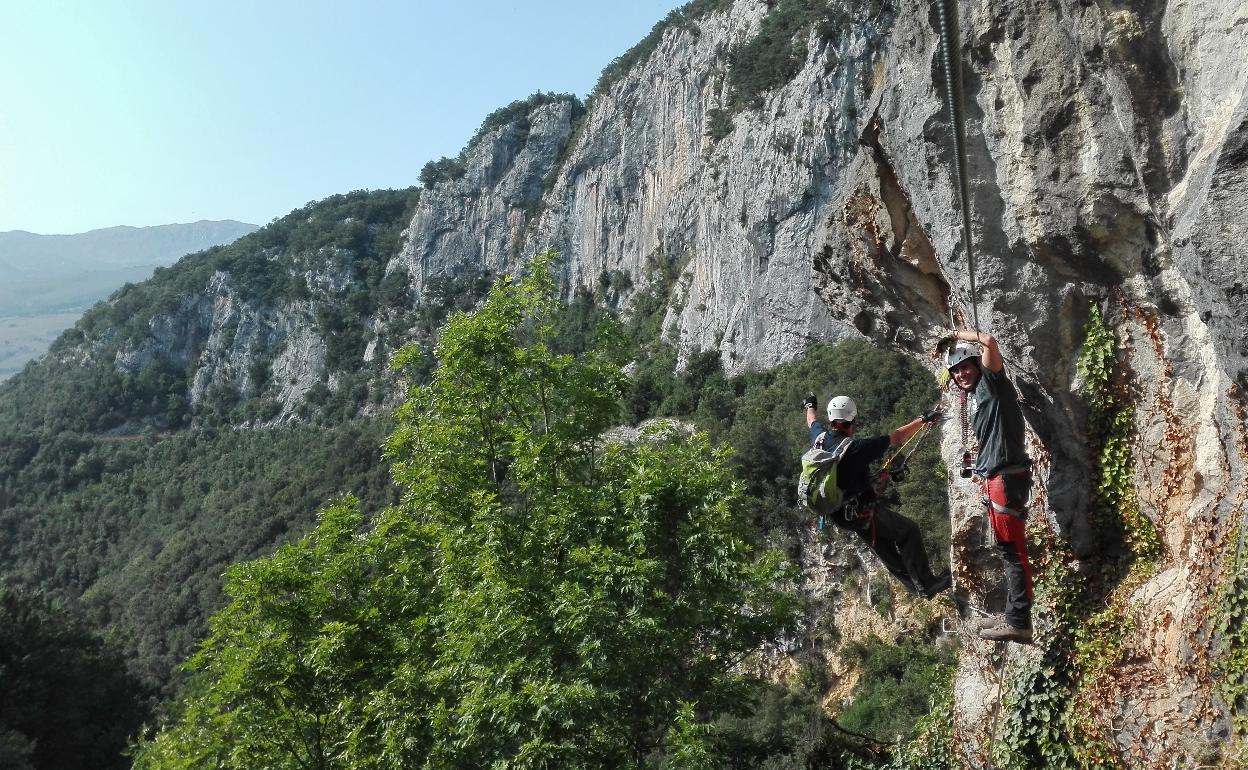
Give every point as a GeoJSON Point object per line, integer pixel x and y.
{"type": "Point", "coordinates": [899, 544]}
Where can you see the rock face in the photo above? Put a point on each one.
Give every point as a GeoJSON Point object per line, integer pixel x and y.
{"type": "Point", "coordinates": [230, 341]}
{"type": "Point", "coordinates": [481, 217]}
{"type": "Point", "coordinates": [743, 216]}
{"type": "Point", "coordinates": [1108, 163]}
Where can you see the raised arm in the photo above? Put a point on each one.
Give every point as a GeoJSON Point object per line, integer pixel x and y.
{"type": "Point", "coordinates": [990, 359]}
{"type": "Point", "coordinates": [903, 434]}
{"type": "Point", "coordinates": [899, 436]}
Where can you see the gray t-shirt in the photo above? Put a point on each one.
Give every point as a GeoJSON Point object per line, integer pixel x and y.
{"type": "Point", "coordinates": [998, 422]}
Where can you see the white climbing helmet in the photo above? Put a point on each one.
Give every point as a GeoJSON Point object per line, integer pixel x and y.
{"type": "Point", "coordinates": [842, 408]}
{"type": "Point", "coordinates": [960, 353]}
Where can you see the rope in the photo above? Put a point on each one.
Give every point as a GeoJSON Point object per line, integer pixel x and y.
{"type": "Point", "coordinates": [950, 48]}
{"type": "Point", "coordinates": [901, 453]}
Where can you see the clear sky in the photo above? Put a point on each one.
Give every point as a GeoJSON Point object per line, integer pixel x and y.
{"type": "Point", "coordinates": [146, 112]}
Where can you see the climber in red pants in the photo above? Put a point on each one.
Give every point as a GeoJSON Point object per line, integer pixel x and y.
{"type": "Point", "coordinates": [1002, 465]}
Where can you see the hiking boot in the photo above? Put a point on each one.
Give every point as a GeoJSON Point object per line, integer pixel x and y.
{"type": "Point", "coordinates": [1004, 632]}
{"type": "Point", "coordinates": [940, 583]}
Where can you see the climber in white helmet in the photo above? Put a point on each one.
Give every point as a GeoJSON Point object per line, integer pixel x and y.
{"type": "Point", "coordinates": [1002, 466]}
{"type": "Point", "coordinates": [895, 539]}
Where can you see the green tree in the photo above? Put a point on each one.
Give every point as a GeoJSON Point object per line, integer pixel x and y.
{"type": "Point", "coordinates": [540, 598]}
{"type": "Point", "coordinates": [441, 170]}
{"type": "Point", "coordinates": [293, 672]}
{"type": "Point", "coordinates": [65, 698]}
{"type": "Point", "coordinates": [897, 685]}
{"type": "Point", "coordinates": [616, 582]}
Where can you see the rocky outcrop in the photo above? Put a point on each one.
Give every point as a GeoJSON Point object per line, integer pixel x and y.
{"type": "Point", "coordinates": [248, 345]}
{"type": "Point", "coordinates": [481, 218]}
{"type": "Point", "coordinates": [249, 348]}
{"type": "Point", "coordinates": [1098, 164]}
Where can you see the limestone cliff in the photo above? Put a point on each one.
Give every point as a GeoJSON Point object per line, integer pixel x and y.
{"type": "Point", "coordinates": [1108, 148]}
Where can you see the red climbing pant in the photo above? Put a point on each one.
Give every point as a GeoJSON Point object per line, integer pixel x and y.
{"type": "Point", "coordinates": [1007, 496]}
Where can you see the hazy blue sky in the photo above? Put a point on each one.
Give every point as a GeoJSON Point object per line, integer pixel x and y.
{"type": "Point", "coordinates": [145, 112]}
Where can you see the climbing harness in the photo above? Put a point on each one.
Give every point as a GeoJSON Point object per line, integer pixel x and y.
{"type": "Point", "coordinates": [950, 47]}
{"type": "Point", "coordinates": [852, 510]}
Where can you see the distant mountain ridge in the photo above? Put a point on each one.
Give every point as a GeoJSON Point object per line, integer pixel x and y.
{"type": "Point", "coordinates": [29, 254]}
{"type": "Point", "coordinates": [47, 281]}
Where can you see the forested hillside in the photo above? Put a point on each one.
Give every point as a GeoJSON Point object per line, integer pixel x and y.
{"type": "Point", "coordinates": [68, 699]}
{"type": "Point", "coordinates": [133, 361]}
{"type": "Point", "coordinates": [126, 494]}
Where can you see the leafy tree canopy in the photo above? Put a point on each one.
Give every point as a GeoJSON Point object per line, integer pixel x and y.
{"type": "Point", "coordinates": [540, 598]}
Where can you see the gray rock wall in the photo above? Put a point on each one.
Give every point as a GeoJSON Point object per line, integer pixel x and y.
{"type": "Point", "coordinates": [742, 215]}
{"type": "Point", "coordinates": [482, 217]}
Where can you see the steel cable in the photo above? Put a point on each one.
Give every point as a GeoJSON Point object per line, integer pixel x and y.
{"type": "Point", "coordinates": [951, 58]}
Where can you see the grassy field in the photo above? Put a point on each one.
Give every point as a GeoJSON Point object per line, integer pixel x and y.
{"type": "Point", "coordinates": [23, 338]}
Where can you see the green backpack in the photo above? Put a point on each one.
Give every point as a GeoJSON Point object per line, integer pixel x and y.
{"type": "Point", "coordinates": [816, 487]}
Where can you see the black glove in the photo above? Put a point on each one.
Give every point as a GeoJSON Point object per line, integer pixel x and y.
{"type": "Point", "coordinates": [932, 415]}
{"type": "Point", "coordinates": [811, 401]}
{"type": "Point", "coordinates": [946, 344]}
